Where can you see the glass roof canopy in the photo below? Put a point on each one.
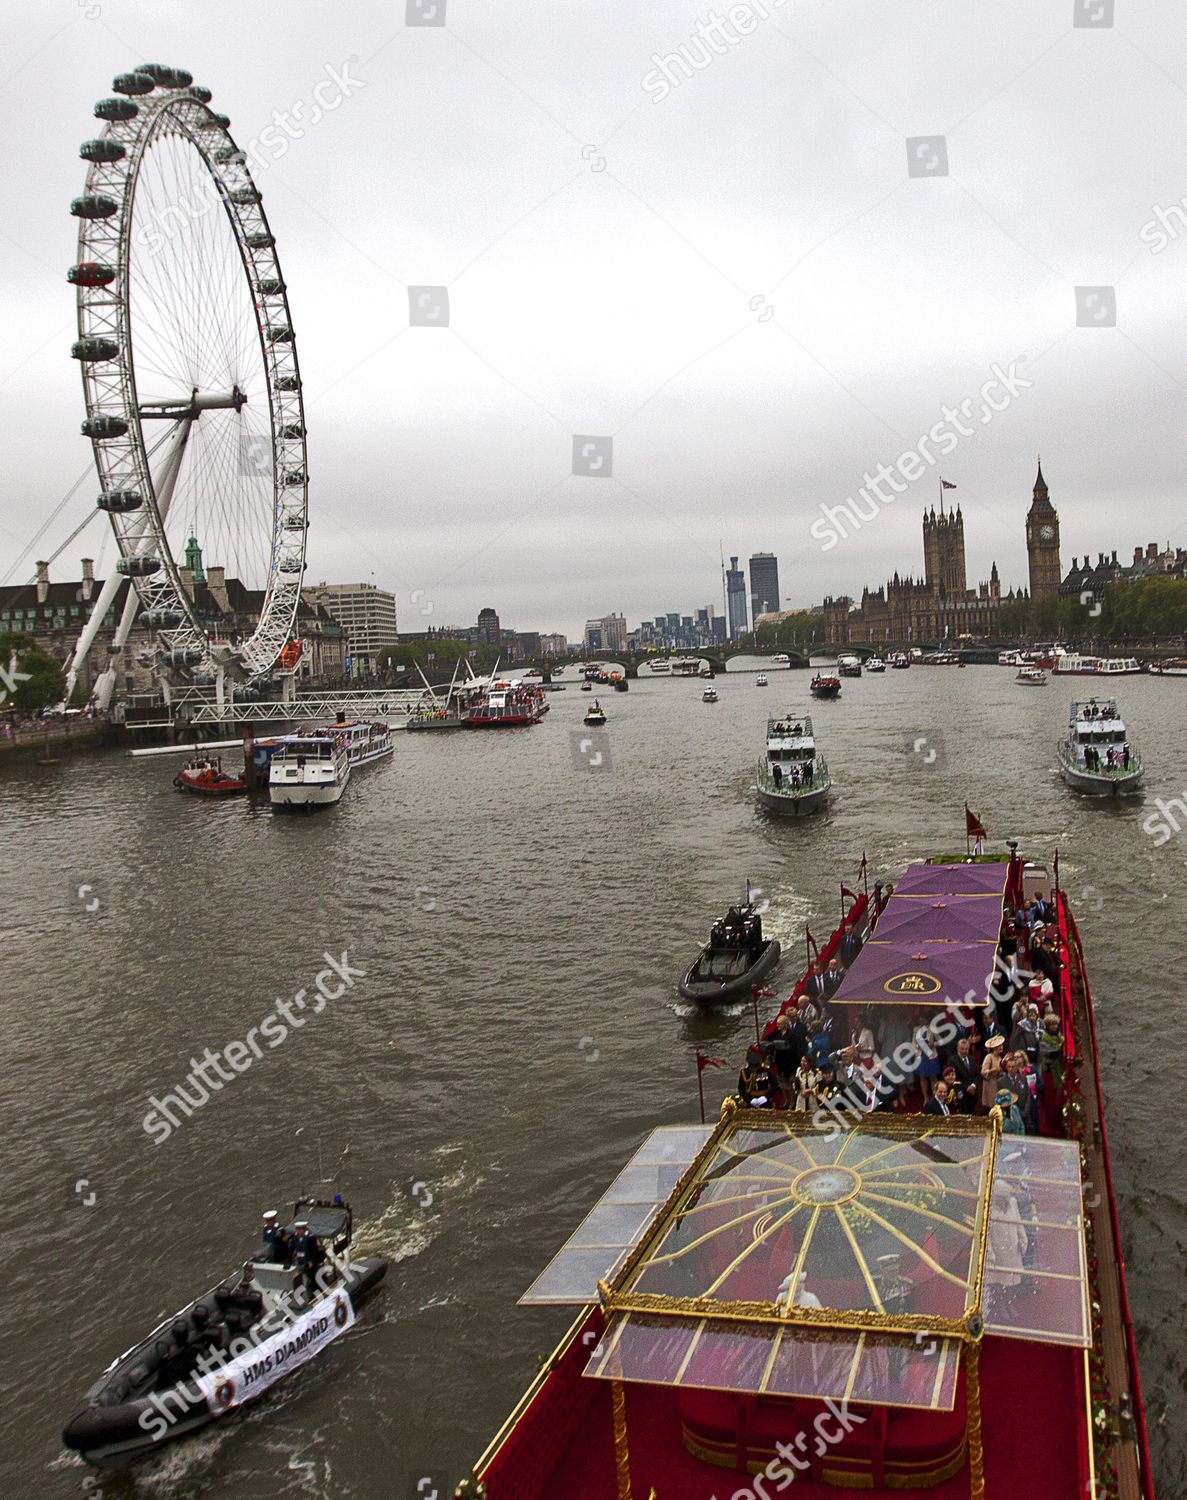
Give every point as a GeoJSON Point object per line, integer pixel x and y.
{"type": "Point", "coordinates": [772, 1255]}
{"type": "Point", "coordinates": [860, 1227]}
{"type": "Point", "coordinates": [599, 1243]}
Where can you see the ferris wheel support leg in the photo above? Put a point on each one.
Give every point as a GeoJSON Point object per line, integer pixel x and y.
{"type": "Point", "coordinates": [87, 639]}
{"type": "Point", "coordinates": [105, 686]}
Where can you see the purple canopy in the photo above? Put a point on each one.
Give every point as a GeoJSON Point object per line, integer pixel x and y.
{"type": "Point", "coordinates": [914, 973]}
{"type": "Point", "coordinates": [954, 880]}
{"type": "Point", "coordinates": [954, 919]}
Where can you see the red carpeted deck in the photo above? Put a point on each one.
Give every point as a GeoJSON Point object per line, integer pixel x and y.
{"type": "Point", "coordinates": [1033, 1425]}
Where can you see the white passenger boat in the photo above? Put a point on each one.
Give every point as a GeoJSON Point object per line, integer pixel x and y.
{"type": "Point", "coordinates": [875, 664]}
{"type": "Point", "coordinates": [308, 770]}
{"type": "Point", "coordinates": [312, 769]}
{"type": "Point", "coordinates": [793, 779]}
{"type": "Point", "coordinates": [1097, 756]}
{"type": "Point", "coordinates": [1031, 677]}
{"type": "Point", "coordinates": [1096, 666]}
{"type": "Point", "coordinates": [848, 666]}
{"type": "Point", "coordinates": [364, 742]}
{"type": "Point", "coordinates": [781, 659]}
{"type": "Point", "coordinates": [900, 661]}
{"type": "Point", "coordinates": [1175, 667]}
{"type": "Point", "coordinates": [660, 668]}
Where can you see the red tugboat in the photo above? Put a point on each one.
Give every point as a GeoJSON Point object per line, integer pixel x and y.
{"type": "Point", "coordinates": [205, 777]}
{"type": "Point", "coordinates": [847, 1298]}
{"type": "Point", "coordinates": [826, 686]}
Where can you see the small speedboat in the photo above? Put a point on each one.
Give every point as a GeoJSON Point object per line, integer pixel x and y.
{"type": "Point", "coordinates": [231, 1344]}
{"type": "Point", "coordinates": [587, 687]}
{"type": "Point", "coordinates": [875, 664]}
{"type": "Point", "coordinates": [826, 686]}
{"type": "Point", "coordinates": [735, 957]}
{"type": "Point", "coordinates": [595, 715]}
{"type": "Point", "coordinates": [1032, 677]}
{"type": "Point", "coordinates": [205, 777]}
{"type": "Point", "coordinates": [761, 680]}
{"type": "Point", "coordinates": [709, 695]}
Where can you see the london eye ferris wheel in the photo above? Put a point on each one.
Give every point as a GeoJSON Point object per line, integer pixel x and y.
{"type": "Point", "coordinates": [191, 381]}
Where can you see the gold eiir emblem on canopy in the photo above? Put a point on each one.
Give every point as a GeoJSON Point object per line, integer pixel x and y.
{"type": "Point", "coordinates": [912, 983]}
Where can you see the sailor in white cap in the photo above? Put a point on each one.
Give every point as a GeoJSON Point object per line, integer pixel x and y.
{"type": "Point", "coordinates": [276, 1238]}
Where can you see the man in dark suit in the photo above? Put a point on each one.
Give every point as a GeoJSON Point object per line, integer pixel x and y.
{"type": "Point", "coordinates": [814, 985]}
{"type": "Point", "coordinates": [832, 978]}
{"type": "Point", "coordinates": [938, 1103]}
{"type": "Point", "coordinates": [968, 1076]}
{"type": "Point", "coordinates": [308, 1255]}
{"type": "Point", "coordinates": [787, 1046]}
{"type": "Point", "coordinates": [850, 942]}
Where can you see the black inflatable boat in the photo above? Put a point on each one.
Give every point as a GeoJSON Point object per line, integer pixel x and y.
{"type": "Point", "coordinates": [296, 1294]}
{"type": "Point", "coordinates": [735, 957]}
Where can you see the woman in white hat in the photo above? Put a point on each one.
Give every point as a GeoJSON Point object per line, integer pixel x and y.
{"type": "Point", "coordinates": [991, 1069]}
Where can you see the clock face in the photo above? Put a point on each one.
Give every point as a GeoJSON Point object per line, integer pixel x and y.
{"type": "Point", "coordinates": [1046, 532]}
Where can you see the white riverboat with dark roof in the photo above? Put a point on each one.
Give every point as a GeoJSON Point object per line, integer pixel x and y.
{"type": "Point", "coordinates": [793, 779]}
{"type": "Point", "coordinates": [313, 768]}
{"type": "Point", "coordinates": [1096, 756]}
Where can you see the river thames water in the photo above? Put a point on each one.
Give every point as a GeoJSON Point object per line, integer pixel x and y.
{"type": "Point", "coordinates": [522, 911]}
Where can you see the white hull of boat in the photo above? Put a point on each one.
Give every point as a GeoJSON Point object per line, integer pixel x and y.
{"type": "Point", "coordinates": [792, 804]}
{"type": "Point", "coordinates": [304, 794]}
{"type": "Point", "coordinates": [1099, 783]}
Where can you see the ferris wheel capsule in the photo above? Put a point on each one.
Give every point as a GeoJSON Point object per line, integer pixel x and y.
{"type": "Point", "coordinates": [116, 111]}
{"type": "Point", "coordinates": [133, 83]}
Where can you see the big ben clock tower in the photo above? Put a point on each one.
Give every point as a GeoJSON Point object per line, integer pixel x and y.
{"type": "Point", "coordinates": [1042, 542]}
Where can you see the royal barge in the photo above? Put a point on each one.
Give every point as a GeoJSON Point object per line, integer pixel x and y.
{"type": "Point", "coordinates": [846, 1301]}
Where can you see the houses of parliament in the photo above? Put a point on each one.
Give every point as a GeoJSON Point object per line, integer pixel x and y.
{"type": "Point", "coordinates": [941, 605]}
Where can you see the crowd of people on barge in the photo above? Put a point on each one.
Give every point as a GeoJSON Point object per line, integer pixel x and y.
{"type": "Point", "coordinates": [965, 1060]}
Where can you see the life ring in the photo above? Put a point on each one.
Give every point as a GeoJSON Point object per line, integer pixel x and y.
{"type": "Point", "coordinates": [224, 1394]}
{"type": "Point", "coordinates": [340, 1313]}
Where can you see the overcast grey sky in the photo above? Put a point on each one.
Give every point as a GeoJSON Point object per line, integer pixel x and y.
{"type": "Point", "coordinates": [613, 248]}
